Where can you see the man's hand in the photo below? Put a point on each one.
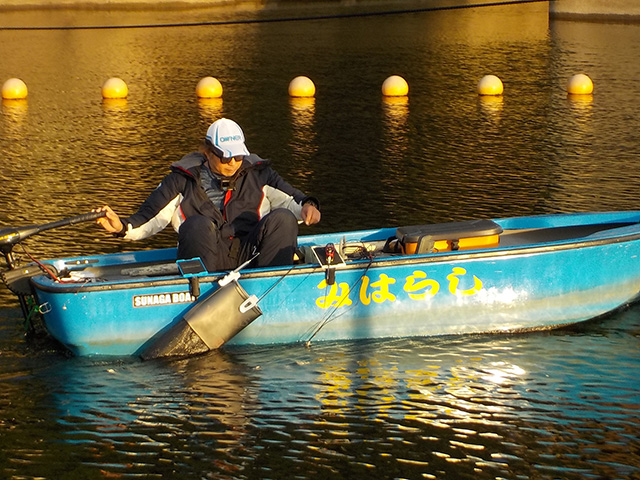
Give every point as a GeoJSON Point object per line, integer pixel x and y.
{"type": "Point", "coordinates": [310, 214]}
{"type": "Point", "coordinates": [111, 223]}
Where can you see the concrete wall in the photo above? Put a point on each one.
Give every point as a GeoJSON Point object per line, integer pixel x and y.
{"type": "Point", "coordinates": [625, 10]}
{"type": "Point", "coordinates": [112, 4]}
{"type": "Point", "coordinates": [617, 10]}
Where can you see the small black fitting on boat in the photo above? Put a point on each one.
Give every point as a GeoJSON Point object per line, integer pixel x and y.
{"type": "Point", "coordinates": [330, 259]}
{"type": "Point", "coordinates": [194, 287]}
{"type": "Point", "coordinates": [208, 325]}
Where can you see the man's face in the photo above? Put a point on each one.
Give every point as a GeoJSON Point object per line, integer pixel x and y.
{"type": "Point", "coordinates": [225, 166]}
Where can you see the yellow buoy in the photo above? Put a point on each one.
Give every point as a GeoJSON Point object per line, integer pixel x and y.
{"type": "Point", "coordinates": [209, 87]}
{"type": "Point", "coordinates": [580, 84]}
{"type": "Point", "coordinates": [490, 85]}
{"type": "Point", "coordinates": [115, 88]}
{"type": "Point", "coordinates": [395, 86]}
{"type": "Point", "coordinates": [302, 87]}
{"type": "Point", "coordinates": [14, 89]}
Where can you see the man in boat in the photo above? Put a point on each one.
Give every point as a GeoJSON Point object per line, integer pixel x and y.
{"type": "Point", "coordinates": [226, 205]}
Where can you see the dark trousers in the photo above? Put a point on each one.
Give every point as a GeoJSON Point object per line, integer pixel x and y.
{"type": "Point", "coordinates": [275, 237]}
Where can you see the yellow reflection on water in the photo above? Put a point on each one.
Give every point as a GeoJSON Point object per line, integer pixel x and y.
{"type": "Point", "coordinates": [304, 134]}
{"type": "Point", "coordinates": [336, 387]}
{"type": "Point", "coordinates": [378, 385]}
{"type": "Point", "coordinates": [580, 104]}
{"type": "Point", "coordinates": [303, 110]}
{"type": "Point", "coordinates": [491, 106]}
{"type": "Point", "coordinates": [210, 109]}
{"type": "Point", "coordinates": [115, 105]}
{"type": "Point", "coordinates": [383, 386]}
{"type": "Point", "coordinates": [117, 124]}
{"type": "Point", "coordinates": [395, 144]}
{"type": "Point", "coordinates": [396, 126]}
{"type": "Point", "coordinates": [396, 110]}
{"type": "Point", "coordinates": [581, 170]}
{"type": "Point", "coordinates": [15, 111]}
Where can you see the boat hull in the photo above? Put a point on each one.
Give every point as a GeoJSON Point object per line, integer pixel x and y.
{"type": "Point", "coordinates": [502, 289]}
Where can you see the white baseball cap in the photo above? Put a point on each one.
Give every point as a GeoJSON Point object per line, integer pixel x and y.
{"type": "Point", "coordinates": [227, 138]}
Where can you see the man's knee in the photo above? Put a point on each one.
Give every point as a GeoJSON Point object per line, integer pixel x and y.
{"type": "Point", "coordinates": [199, 237]}
{"type": "Point", "coordinates": [196, 225]}
{"type": "Point", "coordinates": [282, 218]}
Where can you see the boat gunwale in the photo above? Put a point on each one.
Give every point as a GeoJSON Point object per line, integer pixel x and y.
{"type": "Point", "coordinates": [396, 260]}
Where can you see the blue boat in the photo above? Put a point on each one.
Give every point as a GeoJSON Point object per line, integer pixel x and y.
{"type": "Point", "coordinates": [470, 277]}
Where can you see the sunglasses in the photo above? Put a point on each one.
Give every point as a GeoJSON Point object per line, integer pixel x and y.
{"type": "Point", "coordinates": [225, 160]}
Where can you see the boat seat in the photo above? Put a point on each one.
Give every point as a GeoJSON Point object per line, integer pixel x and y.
{"type": "Point", "coordinates": [446, 237]}
{"type": "Point", "coordinates": [153, 269]}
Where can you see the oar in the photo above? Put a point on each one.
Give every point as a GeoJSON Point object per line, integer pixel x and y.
{"type": "Point", "coordinates": [11, 235]}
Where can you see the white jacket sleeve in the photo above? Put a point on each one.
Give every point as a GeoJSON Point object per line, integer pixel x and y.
{"type": "Point", "coordinates": [274, 198]}
{"type": "Point", "coordinates": [156, 224]}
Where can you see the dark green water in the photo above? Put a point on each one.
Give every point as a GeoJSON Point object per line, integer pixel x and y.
{"type": "Point", "coordinates": [549, 405]}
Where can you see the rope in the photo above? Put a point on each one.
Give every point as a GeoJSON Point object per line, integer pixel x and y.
{"type": "Point", "coordinates": [280, 19]}
{"type": "Point", "coordinates": [275, 284]}
{"type": "Point", "coordinates": [34, 310]}
{"type": "Point", "coordinates": [47, 270]}
{"type": "Point", "coordinates": [42, 266]}
{"type": "Point", "coordinates": [329, 316]}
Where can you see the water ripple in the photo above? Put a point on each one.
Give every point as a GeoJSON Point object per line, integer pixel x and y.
{"type": "Point", "coordinates": [562, 404]}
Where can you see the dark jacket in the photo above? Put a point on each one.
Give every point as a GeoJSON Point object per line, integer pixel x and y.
{"type": "Point", "coordinates": [254, 191]}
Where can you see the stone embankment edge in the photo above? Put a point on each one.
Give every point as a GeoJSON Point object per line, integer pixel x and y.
{"type": "Point", "coordinates": [25, 5]}
{"type": "Point", "coordinates": [595, 10]}
{"type": "Point", "coordinates": [585, 10]}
